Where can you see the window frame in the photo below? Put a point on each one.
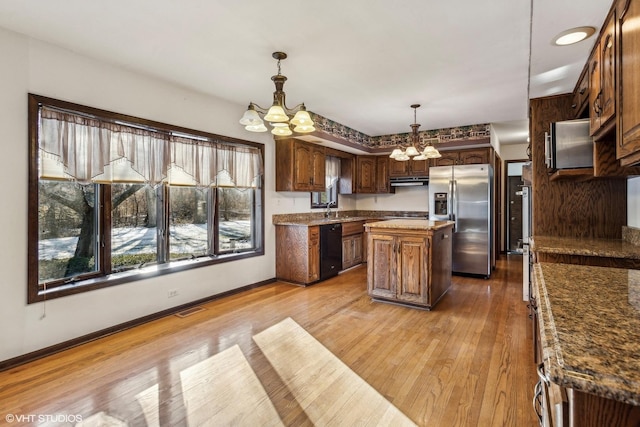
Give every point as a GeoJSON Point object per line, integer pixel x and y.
{"type": "Point", "coordinates": [37, 292]}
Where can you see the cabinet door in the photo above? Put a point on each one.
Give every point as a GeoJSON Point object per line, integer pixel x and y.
{"type": "Point", "coordinates": [398, 168]}
{"type": "Point", "coordinates": [357, 248]}
{"type": "Point", "coordinates": [302, 163]}
{"type": "Point", "coordinates": [594, 90]}
{"type": "Point", "coordinates": [419, 167]}
{"type": "Point", "coordinates": [607, 73]}
{"type": "Point", "coordinates": [382, 174]}
{"type": "Point", "coordinates": [474, 157]}
{"type": "Point", "coordinates": [366, 174]}
{"type": "Point", "coordinates": [347, 252]}
{"type": "Point", "coordinates": [381, 266]}
{"type": "Point", "coordinates": [448, 159]}
{"type": "Point", "coordinates": [581, 94]}
{"type": "Point", "coordinates": [317, 169]}
{"type": "Point", "coordinates": [629, 84]}
{"type": "Point", "coordinates": [314, 254]}
{"type": "Point", "coordinates": [412, 274]}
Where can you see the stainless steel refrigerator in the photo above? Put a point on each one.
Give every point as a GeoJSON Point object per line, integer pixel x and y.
{"type": "Point", "coordinates": [464, 194]}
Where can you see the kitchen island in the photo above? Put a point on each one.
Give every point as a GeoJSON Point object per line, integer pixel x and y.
{"type": "Point", "coordinates": [587, 322]}
{"type": "Point", "coordinates": [409, 261]}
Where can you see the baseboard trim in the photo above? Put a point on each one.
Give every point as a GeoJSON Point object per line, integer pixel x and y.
{"type": "Point", "coordinates": [56, 348]}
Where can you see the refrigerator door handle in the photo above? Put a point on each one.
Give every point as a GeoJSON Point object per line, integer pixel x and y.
{"type": "Point", "coordinates": [450, 202]}
{"type": "Point", "coordinates": [454, 194]}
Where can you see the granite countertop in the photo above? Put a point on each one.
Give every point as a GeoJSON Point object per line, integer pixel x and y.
{"type": "Point", "coordinates": [318, 218]}
{"type": "Point", "coordinates": [610, 248]}
{"type": "Point", "coordinates": [410, 224]}
{"type": "Point", "coordinates": [307, 222]}
{"type": "Point", "coordinates": [589, 320]}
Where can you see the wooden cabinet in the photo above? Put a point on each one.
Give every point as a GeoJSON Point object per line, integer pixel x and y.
{"type": "Point", "coordinates": [352, 233]}
{"type": "Point", "coordinates": [463, 157]}
{"type": "Point", "coordinates": [408, 168]}
{"type": "Point", "coordinates": [581, 95]}
{"type": "Point", "coordinates": [628, 131]}
{"type": "Point", "coordinates": [382, 174]}
{"type": "Point", "coordinates": [298, 253]}
{"type": "Point", "coordinates": [300, 166]}
{"type": "Point", "coordinates": [366, 174]}
{"type": "Point", "coordinates": [405, 266]}
{"type": "Point", "coordinates": [351, 251]}
{"type": "Point", "coordinates": [372, 174]}
{"type": "Point", "coordinates": [602, 90]}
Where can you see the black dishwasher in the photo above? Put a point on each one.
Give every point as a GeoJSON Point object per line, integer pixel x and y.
{"type": "Point", "coordinates": [330, 250]}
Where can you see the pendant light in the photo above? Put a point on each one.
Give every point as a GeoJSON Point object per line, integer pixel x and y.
{"type": "Point", "coordinates": [429, 151]}
{"type": "Point", "coordinates": [278, 114]}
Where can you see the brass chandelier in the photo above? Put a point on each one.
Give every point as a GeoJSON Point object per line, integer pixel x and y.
{"type": "Point", "coordinates": [429, 151]}
{"type": "Point", "coordinates": [278, 115]}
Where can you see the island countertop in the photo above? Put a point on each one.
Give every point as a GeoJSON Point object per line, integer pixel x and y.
{"type": "Point", "coordinates": [410, 224]}
{"type": "Point", "coordinates": [589, 320]}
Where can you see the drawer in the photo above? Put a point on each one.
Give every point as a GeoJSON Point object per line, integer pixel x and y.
{"type": "Point", "coordinates": [352, 227]}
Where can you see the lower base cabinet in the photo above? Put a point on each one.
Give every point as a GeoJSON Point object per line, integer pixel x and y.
{"type": "Point", "coordinates": [298, 253]}
{"type": "Point", "coordinates": [351, 251]}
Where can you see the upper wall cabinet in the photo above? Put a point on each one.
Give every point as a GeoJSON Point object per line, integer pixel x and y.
{"type": "Point", "coordinates": [602, 87]}
{"type": "Point", "coordinates": [628, 149]}
{"type": "Point", "coordinates": [408, 168]}
{"type": "Point", "coordinates": [372, 174]}
{"type": "Point", "coordinates": [581, 96]}
{"type": "Point", "coordinates": [300, 166]}
{"type": "Point", "coordinates": [463, 157]}
{"type": "Point", "coordinates": [382, 175]}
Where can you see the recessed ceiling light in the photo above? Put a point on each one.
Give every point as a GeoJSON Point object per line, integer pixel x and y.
{"type": "Point", "coordinates": [574, 35]}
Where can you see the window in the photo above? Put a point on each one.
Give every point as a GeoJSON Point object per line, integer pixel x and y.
{"type": "Point", "coordinates": [114, 197]}
{"type": "Point", "coordinates": [332, 183]}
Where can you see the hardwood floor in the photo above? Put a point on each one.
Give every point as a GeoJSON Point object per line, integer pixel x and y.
{"type": "Point", "coordinates": [469, 362]}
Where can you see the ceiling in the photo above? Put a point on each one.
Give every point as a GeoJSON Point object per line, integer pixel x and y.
{"type": "Point", "coordinates": [361, 63]}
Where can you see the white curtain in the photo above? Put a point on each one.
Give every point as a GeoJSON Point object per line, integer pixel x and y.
{"type": "Point", "coordinates": [332, 171]}
{"type": "Point", "coordinates": [87, 149]}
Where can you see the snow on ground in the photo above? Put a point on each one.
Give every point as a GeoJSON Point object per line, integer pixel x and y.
{"type": "Point", "coordinates": [187, 239]}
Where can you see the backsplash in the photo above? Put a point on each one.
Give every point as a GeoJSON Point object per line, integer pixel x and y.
{"type": "Point", "coordinates": [631, 235]}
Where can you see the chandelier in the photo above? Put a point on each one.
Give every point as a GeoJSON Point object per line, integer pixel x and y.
{"type": "Point", "coordinates": [429, 151]}
{"type": "Point", "coordinates": [278, 114]}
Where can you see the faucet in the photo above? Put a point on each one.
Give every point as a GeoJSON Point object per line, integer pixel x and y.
{"type": "Point", "coordinates": [327, 213]}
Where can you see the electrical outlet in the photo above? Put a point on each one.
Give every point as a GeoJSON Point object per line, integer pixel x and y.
{"type": "Point", "coordinates": [172, 293]}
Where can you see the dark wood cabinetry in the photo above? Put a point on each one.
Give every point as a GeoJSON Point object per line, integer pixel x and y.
{"type": "Point", "coordinates": [382, 174]}
{"type": "Point", "coordinates": [408, 168]}
{"type": "Point", "coordinates": [628, 149]}
{"type": "Point", "coordinates": [463, 157]}
{"type": "Point", "coordinates": [602, 90]}
{"type": "Point", "coordinates": [298, 253]}
{"type": "Point", "coordinates": [300, 166]}
{"type": "Point", "coordinates": [408, 266]}
{"type": "Point", "coordinates": [372, 174]}
{"type": "Point", "coordinates": [561, 207]}
{"type": "Point", "coordinates": [581, 96]}
{"type": "Point", "coordinates": [352, 238]}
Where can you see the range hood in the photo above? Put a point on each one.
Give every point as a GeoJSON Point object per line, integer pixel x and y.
{"type": "Point", "coordinates": [409, 181]}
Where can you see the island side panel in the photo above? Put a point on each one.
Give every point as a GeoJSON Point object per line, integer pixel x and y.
{"type": "Point", "coordinates": [441, 254]}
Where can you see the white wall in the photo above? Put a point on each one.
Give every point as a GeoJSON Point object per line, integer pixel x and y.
{"type": "Point", "coordinates": [514, 151]}
{"type": "Point", "coordinates": [32, 66]}
{"type": "Point", "coordinates": [633, 202]}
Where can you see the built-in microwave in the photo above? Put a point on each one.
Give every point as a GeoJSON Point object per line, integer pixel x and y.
{"type": "Point", "coordinates": [568, 145]}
